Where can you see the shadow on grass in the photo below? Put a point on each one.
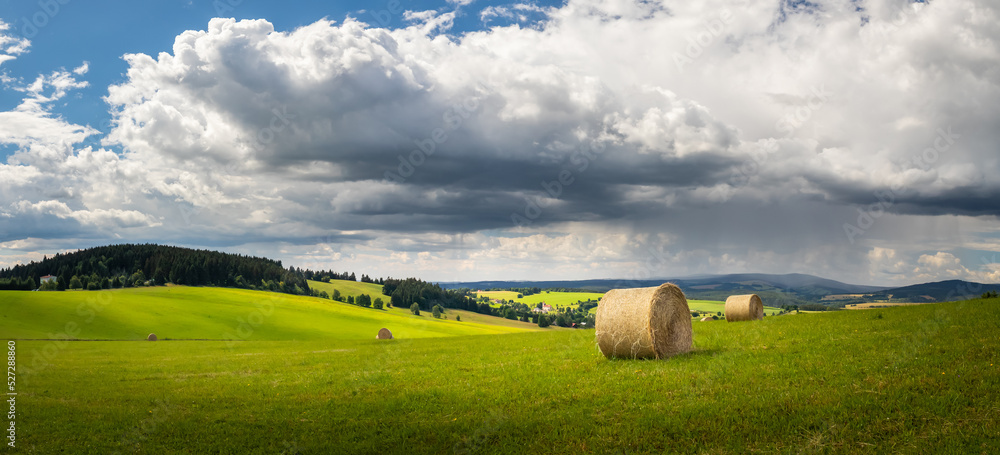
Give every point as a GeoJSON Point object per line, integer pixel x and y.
{"type": "Point", "coordinates": [693, 354]}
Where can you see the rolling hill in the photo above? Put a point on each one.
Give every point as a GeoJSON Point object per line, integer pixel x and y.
{"type": "Point", "coordinates": [349, 288]}
{"type": "Point", "coordinates": [180, 312]}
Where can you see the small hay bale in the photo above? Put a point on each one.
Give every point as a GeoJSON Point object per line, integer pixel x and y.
{"type": "Point", "coordinates": [383, 334]}
{"type": "Point", "coordinates": [643, 322]}
{"type": "Point", "coordinates": [151, 337]}
{"type": "Point", "coordinates": [707, 318]}
{"type": "Point", "coordinates": [744, 308]}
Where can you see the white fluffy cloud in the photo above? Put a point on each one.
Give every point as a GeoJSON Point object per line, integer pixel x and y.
{"type": "Point", "coordinates": [728, 135]}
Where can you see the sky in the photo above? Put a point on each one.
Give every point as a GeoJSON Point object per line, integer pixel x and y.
{"type": "Point", "coordinates": [466, 140]}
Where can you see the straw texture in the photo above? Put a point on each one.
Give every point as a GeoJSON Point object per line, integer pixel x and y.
{"type": "Point", "coordinates": [151, 337]}
{"type": "Point", "coordinates": [744, 308]}
{"type": "Point", "coordinates": [383, 334]}
{"type": "Point", "coordinates": [643, 322]}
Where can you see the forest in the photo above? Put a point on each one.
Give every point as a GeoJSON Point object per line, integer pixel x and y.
{"type": "Point", "coordinates": [129, 265]}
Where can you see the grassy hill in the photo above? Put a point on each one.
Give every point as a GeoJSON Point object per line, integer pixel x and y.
{"type": "Point", "coordinates": [556, 299]}
{"type": "Point", "coordinates": [179, 312]}
{"type": "Point", "coordinates": [918, 379]}
{"type": "Point", "coordinates": [349, 288]}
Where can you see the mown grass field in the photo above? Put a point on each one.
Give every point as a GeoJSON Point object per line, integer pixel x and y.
{"type": "Point", "coordinates": [865, 306]}
{"type": "Point", "coordinates": [556, 299]}
{"type": "Point", "coordinates": [179, 312]}
{"type": "Point", "coordinates": [920, 379]}
{"type": "Point", "coordinates": [349, 288]}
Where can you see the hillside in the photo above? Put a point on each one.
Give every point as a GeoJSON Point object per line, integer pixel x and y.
{"type": "Point", "coordinates": [348, 288]}
{"type": "Point", "coordinates": [941, 291]}
{"type": "Point", "coordinates": [180, 312]}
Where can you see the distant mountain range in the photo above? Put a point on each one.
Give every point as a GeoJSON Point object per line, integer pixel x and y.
{"type": "Point", "coordinates": [776, 290]}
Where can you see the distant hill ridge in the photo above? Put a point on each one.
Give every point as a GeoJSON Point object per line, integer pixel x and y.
{"type": "Point", "coordinates": [778, 290]}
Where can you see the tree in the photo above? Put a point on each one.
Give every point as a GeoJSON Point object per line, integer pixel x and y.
{"type": "Point", "coordinates": [75, 283]}
{"type": "Point", "coordinates": [543, 320]}
{"type": "Point", "coordinates": [336, 295]}
{"type": "Point", "coordinates": [415, 309]}
{"type": "Point", "coordinates": [437, 310]}
{"type": "Point", "coordinates": [458, 317]}
{"type": "Point", "coordinates": [350, 299]}
{"type": "Point", "coordinates": [364, 300]}
{"type": "Point", "coordinates": [377, 304]}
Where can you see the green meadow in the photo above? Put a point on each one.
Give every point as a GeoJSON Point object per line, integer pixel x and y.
{"type": "Point", "coordinates": [556, 299]}
{"type": "Point", "coordinates": [918, 379]}
{"type": "Point", "coordinates": [349, 288]}
{"type": "Point", "coordinates": [180, 312]}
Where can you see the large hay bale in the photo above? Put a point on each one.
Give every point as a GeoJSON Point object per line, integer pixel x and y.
{"type": "Point", "coordinates": [151, 337]}
{"type": "Point", "coordinates": [707, 318]}
{"type": "Point", "coordinates": [383, 334]}
{"type": "Point", "coordinates": [744, 308]}
{"type": "Point", "coordinates": [644, 322]}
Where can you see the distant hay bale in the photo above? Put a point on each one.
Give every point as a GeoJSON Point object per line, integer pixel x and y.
{"type": "Point", "coordinates": [744, 308]}
{"type": "Point", "coordinates": [383, 334]}
{"type": "Point", "coordinates": [707, 318]}
{"type": "Point", "coordinates": [643, 322]}
{"type": "Point", "coordinates": [151, 337]}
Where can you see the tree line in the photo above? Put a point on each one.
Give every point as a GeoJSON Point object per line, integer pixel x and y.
{"type": "Point", "coordinates": [129, 265]}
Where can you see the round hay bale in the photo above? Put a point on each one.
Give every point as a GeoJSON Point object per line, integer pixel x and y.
{"type": "Point", "coordinates": [151, 337]}
{"type": "Point", "coordinates": [744, 308]}
{"type": "Point", "coordinates": [643, 322]}
{"type": "Point", "coordinates": [383, 334]}
{"type": "Point", "coordinates": [707, 318]}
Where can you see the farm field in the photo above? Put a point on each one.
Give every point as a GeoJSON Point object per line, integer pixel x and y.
{"type": "Point", "coordinates": [179, 312]}
{"type": "Point", "coordinates": [906, 379]}
{"type": "Point", "coordinates": [349, 288]}
{"type": "Point", "coordinates": [864, 306]}
{"type": "Point", "coordinates": [556, 299]}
